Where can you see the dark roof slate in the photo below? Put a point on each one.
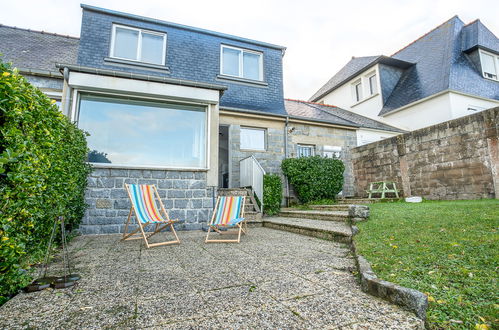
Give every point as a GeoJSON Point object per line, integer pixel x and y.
{"type": "Point", "coordinates": [475, 34]}
{"type": "Point", "coordinates": [30, 49]}
{"type": "Point", "coordinates": [333, 115]}
{"type": "Point", "coordinates": [440, 63]}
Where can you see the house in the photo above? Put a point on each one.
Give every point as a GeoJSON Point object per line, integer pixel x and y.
{"type": "Point", "coordinates": [450, 72]}
{"type": "Point", "coordinates": [186, 109]}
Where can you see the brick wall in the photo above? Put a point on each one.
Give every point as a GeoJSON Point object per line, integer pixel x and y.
{"type": "Point", "coordinates": [184, 194]}
{"type": "Point", "coordinates": [458, 159]}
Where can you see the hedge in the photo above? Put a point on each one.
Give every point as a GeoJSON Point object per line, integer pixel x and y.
{"type": "Point", "coordinates": [314, 178]}
{"type": "Point", "coordinates": [272, 194]}
{"type": "Point", "coordinates": [43, 174]}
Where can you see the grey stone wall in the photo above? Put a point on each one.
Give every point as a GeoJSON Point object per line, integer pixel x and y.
{"type": "Point", "coordinates": [302, 134]}
{"type": "Point", "coordinates": [184, 195]}
{"type": "Point", "coordinates": [45, 82]}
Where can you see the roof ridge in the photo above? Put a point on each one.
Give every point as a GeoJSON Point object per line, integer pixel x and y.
{"type": "Point", "coordinates": [424, 35]}
{"type": "Point", "coordinates": [473, 22]}
{"type": "Point", "coordinates": [41, 32]}
{"type": "Point", "coordinates": [310, 102]}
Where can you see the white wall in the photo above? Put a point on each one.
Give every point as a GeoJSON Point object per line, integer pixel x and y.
{"type": "Point", "coordinates": [343, 96]}
{"type": "Point", "coordinates": [460, 105]}
{"type": "Point", "coordinates": [365, 136]}
{"type": "Point", "coordinates": [430, 112]}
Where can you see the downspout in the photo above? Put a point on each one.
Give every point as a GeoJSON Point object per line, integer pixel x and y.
{"type": "Point", "coordinates": [285, 157]}
{"type": "Point", "coordinates": [67, 93]}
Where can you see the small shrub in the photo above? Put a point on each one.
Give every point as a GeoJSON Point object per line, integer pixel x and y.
{"type": "Point", "coordinates": [272, 194]}
{"type": "Point", "coordinates": [43, 175]}
{"type": "Point", "coordinates": [314, 178]}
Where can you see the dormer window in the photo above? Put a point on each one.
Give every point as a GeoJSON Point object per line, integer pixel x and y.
{"type": "Point", "coordinates": [241, 63]}
{"type": "Point", "coordinates": [373, 84]}
{"type": "Point", "coordinates": [357, 90]}
{"type": "Point", "coordinates": [139, 45]}
{"type": "Point", "coordinates": [490, 65]}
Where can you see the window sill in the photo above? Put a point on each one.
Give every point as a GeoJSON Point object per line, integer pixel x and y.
{"type": "Point", "coordinates": [134, 64]}
{"type": "Point", "coordinates": [252, 150]}
{"type": "Point", "coordinates": [366, 99]}
{"type": "Point", "coordinates": [242, 80]}
{"type": "Point", "coordinates": [147, 167]}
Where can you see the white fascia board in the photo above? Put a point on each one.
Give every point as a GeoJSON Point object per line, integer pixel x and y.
{"type": "Point", "coordinates": [91, 82]}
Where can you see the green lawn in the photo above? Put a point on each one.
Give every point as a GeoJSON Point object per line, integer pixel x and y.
{"type": "Point", "coordinates": [446, 249]}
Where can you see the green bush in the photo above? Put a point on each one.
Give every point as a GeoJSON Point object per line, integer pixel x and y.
{"type": "Point", "coordinates": [43, 175]}
{"type": "Point", "coordinates": [272, 194]}
{"type": "Point", "coordinates": [314, 178]}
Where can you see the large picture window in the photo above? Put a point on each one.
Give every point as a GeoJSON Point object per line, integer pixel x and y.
{"type": "Point", "coordinates": [130, 132]}
{"type": "Point", "coordinates": [241, 63]}
{"type": "Point", "coordinates": [138, 45]}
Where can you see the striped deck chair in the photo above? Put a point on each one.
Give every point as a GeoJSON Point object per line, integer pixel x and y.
{"type": "Point", "coordinates": [146, 212]}
{"type": "Point", "coordinates": [229, 212]}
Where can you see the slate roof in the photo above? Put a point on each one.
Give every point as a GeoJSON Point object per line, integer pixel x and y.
{"type": "Point", "coordinates": [333, 115]}
{"type": "Point", "coordinates": [28, 49]}
{"type": "Point", "coordinates": [439, 63]}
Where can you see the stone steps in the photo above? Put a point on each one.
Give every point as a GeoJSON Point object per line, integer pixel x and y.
{"type": "Point", "coordinates": [334, 207]}
{"type": "Point", "coordinates": [315, 214]}
{"type": "Point", "coordinates": [324, 229]}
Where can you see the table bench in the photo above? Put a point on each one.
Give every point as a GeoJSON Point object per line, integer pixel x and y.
{"type": "Point", "coordinates": [382, 187]}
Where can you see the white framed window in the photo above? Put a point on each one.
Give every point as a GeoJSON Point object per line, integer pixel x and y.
{"type": "Point", "coordinates": [138, 45]}
{"type": "Point", "coordinates": [490, 65]}
{"type": "Point", "coordinates": [130, 132]}
{"type": "Point", "coordinates": [372, 84]}
{"type": "Point", "coordinates": [357, 90]}
{"type": "Point", "coordinates": [332, 152]}
{"type": "Point", "coordinates": [253, 138]}
{"type": "Point", "coordinates": [305, 150]}
{"type": "Point", "coordinates": [241, 63]}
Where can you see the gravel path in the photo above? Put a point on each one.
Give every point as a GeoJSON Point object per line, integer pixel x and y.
{"type": "Point", "coordinates": [272, 279]}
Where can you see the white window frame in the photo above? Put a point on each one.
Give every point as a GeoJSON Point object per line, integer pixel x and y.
{"type": "Point", "coordinates": [138, 51]}
{"type": "Point", "coordinates": [495, 59]}
{"type": "Point", "coordinates": [76, 114]}
{"type": "Point", "coordinates": [307, 146]}
{"type": "Point", "coordinates": [357, 93]}
{"type": "Point", "coordinates": [241, 62]}
{"type": "Point", "coordinates": [369, 86]}
{"type": "Point", "coordinates": [264, 130]}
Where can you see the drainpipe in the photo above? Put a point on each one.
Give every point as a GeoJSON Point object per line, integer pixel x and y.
{"type": "Point", "coordinates": [67, 93]}
{"type": "Point", "coordinates": [285, 157]}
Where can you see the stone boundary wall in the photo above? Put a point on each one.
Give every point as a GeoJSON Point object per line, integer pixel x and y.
{"type": "Point", "coordinates": [184, 194]}
{"type": "Point", "coordinates": [457, 159]}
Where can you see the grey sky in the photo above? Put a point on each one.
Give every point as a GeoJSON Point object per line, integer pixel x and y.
{"type": "Point", "coordinates": [321, 36]}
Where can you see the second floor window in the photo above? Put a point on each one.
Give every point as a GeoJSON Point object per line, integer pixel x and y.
{"type": "Point", "coordinates": [241, 63]}
{"type": "Point", "coordinates": [357, 90]}
{"type": "Point", "coordinates": [138, 45]}
{"type": "Point", "coordinates": [373, 85]}
{"type": "Point", "coordinates": [490, 65]}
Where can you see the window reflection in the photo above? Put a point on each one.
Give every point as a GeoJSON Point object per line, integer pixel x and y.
{"type": "Point", "coordinates": [143, 133]}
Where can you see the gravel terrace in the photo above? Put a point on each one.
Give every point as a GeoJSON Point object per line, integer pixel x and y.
{"type": "Point", "coordinates": [272, 279]}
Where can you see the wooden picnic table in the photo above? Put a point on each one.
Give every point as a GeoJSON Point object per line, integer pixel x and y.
{"type": "Point", "coordinates": [382, 187]}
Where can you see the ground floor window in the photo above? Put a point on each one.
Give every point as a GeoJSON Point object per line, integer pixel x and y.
{"type": "Point", "coordinates": [136, 132]}
{"type": "Point", "coordinates": [252, 138]}
{"type": "Point", "coordinates": [305, 150]}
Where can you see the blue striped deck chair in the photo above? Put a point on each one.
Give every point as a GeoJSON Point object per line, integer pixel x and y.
{"type": "Point", "coordinates": [145, 209]}
{"type": "Point", "coordinates": [228, 213]}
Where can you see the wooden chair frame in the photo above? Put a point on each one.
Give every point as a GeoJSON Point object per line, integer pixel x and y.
{"type": "Point", "coordinates": [159, 226]}
{"type": "Point", "coordinates": [242, 227]}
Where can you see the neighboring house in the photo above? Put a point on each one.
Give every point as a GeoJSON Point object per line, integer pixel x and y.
{"type": "Point", "coordinates": [450, 72]}
{"type": "Point", "coordinates": [187, 109]}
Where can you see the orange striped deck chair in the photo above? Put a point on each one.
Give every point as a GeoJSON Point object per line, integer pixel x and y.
{"type": "Point", "coordinates": [146, 212]}
{"type": "Point", "coordinates": [228, 213]}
